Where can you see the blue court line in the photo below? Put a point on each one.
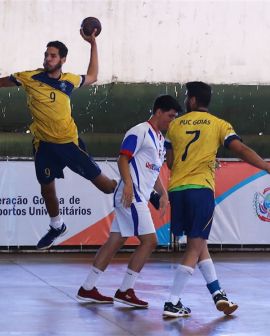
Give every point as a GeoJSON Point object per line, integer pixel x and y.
{"type": "Point", "coordinates": [239, 185]}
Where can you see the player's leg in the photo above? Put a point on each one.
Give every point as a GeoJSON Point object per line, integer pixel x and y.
{"type": "Point", "coordinates": [208, 271]}
{"type": "Point", "coordinates": [148, 243]}
{"type": "Point", "coordinates": [57, 226]}
{"type": "Point", "coordinates": [142, 226]}
{"type": "Point", "coordinates": [79, 161]}
{"type": "Point", "coordinates": [88, 291]}
{"type": "Point", "coordinates": [47, 169]}
{"type": "Point", "coordinates": [48, 192]}
{"type": "Point", "coordinates": [125, 293]}
{"type": "Point", "coordinates": [173, 307]}
{"type": "Point", "coordinates": [104, 183]}
{"type": "Point", "coordinates": [108, 250]}
{"type": "Point", "coordinates": [196, 212]}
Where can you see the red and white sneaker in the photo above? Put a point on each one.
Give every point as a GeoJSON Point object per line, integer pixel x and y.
{"type": "Point", "coordinates": [128, 297]}
{"type": "Point", "coordinates": [93, 295]}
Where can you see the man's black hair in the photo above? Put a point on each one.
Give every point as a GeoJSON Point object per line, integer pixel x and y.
{"type": "Point", "coordinates": [63, 50]}
{"type": "Point", "coordinates": [166, 103]}
{"type": "Point", "coordinates": [201, 91]}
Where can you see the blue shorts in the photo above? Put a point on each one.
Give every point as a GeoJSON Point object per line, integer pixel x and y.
{"type": "Point", "coordinates": [52, 158]}
{"type": "Point", "coordinates": [192, 212]}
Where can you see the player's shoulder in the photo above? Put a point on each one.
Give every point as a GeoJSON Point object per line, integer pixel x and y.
{"type": "Point", "coordinates": [139, 129]}
{"type": "Point", "coordinates": [29, 73]}
{"type": "Point", "coordinates": [70, 76]}
{"type": "Point", "coordinates": [141, 126]}
{"type": "Point", "coordinates": [212, 116]}
{"type": "Point", "coordinates": [216, 119]}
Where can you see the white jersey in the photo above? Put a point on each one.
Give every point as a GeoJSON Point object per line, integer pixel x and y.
{"type": "Point", "coordinates": [145, 148]}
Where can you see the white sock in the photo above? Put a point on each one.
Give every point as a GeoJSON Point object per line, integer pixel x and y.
{"type": "Point", "coordinates": [208, 270]}
{"type": "Point", "coordinates": [57, 222]}
{"type": "Point", "coordinates": [92, 278]}
{"type": "Point", "coordinates": [129, 280]}
{"type": "Point", "coordinates": [181, 277]}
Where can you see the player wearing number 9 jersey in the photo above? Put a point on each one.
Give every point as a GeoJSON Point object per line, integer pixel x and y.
{"type": "Point", "coordinates": [192, 143]}
{"type": "Point", "coordinates": [56, 142]}
{"type": "Point", "coordinates": [49, 103]}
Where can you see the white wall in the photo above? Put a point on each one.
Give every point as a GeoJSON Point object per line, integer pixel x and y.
{"type": "Point", "coordinates": [144, 40]}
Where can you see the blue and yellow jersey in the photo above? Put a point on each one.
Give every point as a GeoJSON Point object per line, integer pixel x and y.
{"type": "Point", "coordinates": [49, 102]}
{"type": "Point", "coordinates": [195, 138]}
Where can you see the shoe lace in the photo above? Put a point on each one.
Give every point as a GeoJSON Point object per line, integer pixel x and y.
{"type": "Point", "coordinates": [222, 292]}
{"type": "Point", "coordinates": [181, 307]}
{"type": "Point", "coordinates": [53, 229]}
{"type": "Point", "coordinates": [53, 232]}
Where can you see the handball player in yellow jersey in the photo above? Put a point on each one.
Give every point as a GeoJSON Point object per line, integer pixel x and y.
{"type": "Point", "coordinates": [56, 142]}
{"type": "Point", "coordinates": [192, 143]}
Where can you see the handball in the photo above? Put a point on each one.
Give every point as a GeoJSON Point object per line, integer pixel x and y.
{"type": "Point", "coordinates": [89, 24]}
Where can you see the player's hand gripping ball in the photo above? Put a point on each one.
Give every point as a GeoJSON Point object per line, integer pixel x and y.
{"type": "Point", "coordinates": [89, 24]}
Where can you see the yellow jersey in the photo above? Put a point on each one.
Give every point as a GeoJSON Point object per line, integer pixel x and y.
{"type": "Point", "coordinates": [48, 100]}
{"type": "Point", "coordinates": [195, 138]}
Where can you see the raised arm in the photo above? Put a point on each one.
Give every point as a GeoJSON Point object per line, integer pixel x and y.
{"type": "Point", "coordinates": [6, 82]}
{"type": "Point", "coordinates": [92, 71]}
{"type": "Point", "coordinates": [248, 155]}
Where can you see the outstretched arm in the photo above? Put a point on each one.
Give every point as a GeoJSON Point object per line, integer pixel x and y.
{"type": "Point", "coordinates": [92, 71]}
{"type": "Point", "coordinates": [248, 155]}
{"type": "Point", "coordinates": [6, 82]}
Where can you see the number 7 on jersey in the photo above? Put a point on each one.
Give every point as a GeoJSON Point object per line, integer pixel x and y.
{"type": "Point", "coordinates": [196, 137]}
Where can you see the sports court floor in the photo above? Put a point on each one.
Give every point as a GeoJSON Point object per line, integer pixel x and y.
{"type": "Point", "coordinates": [38, 297]}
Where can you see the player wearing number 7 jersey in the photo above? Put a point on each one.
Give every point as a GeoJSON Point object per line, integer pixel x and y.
{"type": "Point", "coordinates": [56, 142]}
{"type": "Point", "coordinates": [195, 155]}
{"type": "Point", "coordinates": [192, 143]}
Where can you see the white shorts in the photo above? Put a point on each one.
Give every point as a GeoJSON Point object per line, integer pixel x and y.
{"type": "Point", "coordinates": [133, 221]}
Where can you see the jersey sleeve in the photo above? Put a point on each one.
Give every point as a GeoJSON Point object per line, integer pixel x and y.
{"type": "Point", "coordinates": [227, 133]}
{"type": "Point", "coordinates": [132, 141]}
{"type": "Point", "coordinates": [76, 80]}
{"type": "Point", "coordinates": [20, 78]}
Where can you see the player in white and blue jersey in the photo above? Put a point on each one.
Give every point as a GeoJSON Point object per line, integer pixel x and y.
{"type": "Point", "coordinates": [143, 148]}
{"type": "Point", "coordinates": [140, 161]}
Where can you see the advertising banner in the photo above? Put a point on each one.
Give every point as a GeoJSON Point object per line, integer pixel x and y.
{"type": "Point", "coordinates": [242, 214]}
{"type": "Point", "coordinates": [87, 212]}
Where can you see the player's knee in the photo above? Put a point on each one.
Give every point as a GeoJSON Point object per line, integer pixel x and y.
{"type": "Point", "coordinates": [110, 186]}
{"type": "Point", "coordinates": [149, 241]}
{"type": "Point", "coordinates": [105, 184]}
{"type": "Point", "coordinates": [108, 190]}
{"type": "Point", "coordinates": [153, 245]}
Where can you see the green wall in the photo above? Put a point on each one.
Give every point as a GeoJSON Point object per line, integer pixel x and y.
{"type": "Point", "coordinates": [103, 114]}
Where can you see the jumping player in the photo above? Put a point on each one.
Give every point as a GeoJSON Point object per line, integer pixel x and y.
{"type": "Point", "coordinates": [56, 142]}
